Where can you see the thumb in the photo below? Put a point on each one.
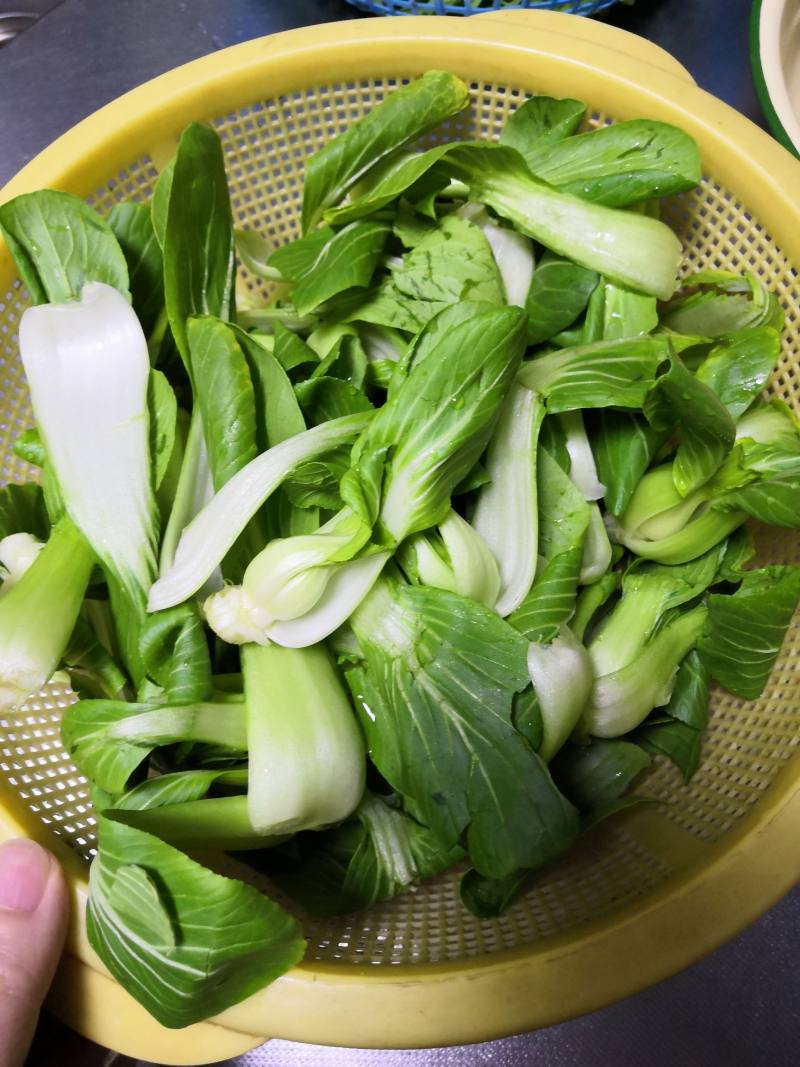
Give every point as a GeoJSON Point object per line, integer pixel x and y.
{"type": "Point", "coordinates": [33, 919]}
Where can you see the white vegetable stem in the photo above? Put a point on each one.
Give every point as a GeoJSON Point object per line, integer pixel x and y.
{"type": "Point", "coordinates": [38, 615]}
{"type": "Point", "coordinates": [88, 367]}
{"type": "Point", "coordinates": [597, 550]}
{"type": "Point", "coordinates": [307, 762]}
{"type": "Point", "coordinates": [195, 489]}
{"type": "Point", "coordinates": [562, 676]}
{"type": "Point", "coordinates": [622, 700]}
{"type": "Point", "coordinates": [582, 470]}
{"type": "Point", "coordinates": [346, 589]}
{"type": "Point", "coordinates": [288, 577]}
{"type": "Point", "coordinates": [470, 570]}
{"type": "Point", "coordinates": [17, 553]}
{"type": "Point", "coordinates": [206, 540]}
{"type": "Point", "coordinates": [506, 511]}
{"type": "Point", "coordinates": [630, 249]}
{"type": "Point", "coordinates": [238, 619]}
{"type": "Point", "coordinates": [512, 251]}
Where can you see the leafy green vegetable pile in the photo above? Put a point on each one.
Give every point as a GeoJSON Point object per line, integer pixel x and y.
{"type": "Point", "coordinates": [467, 496]}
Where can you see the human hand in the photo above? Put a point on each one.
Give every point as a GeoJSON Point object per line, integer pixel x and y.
{"type": "Point", "coordinates": [33, 921]}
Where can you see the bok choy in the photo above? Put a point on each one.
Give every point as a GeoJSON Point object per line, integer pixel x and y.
{"type": "Point", "coordinates": [419, 561]}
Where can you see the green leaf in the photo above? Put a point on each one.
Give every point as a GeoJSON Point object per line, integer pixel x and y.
{"type": "Point", "coordinates": [746, 629]}
{"type": "Point", "coordinates": [435, 699]}
{"type": "Point", "coordinates": [621, 164]}
{"type": "Point", "coordinates": [254, 251]}
{"type": "Point", "coordinates": [472, 480]}
{"type": "Point", "coordinates": [597, 775]}
{"type": "Point", "coordinates": [739, 550]}
{"type": "Point", "coordinates": [590, 600]}
{"type": "Point", "coordinates": [719, 303]}
{"type": "Point", "coordinates": [199, 260]}
{"type": "Point", "coordinates": [410, 227]}
{"type": "Point", "coordinates": [774, 499]}
{"type": "Point", "coordinates": [384, 306]}
{"type": "Point", "coordinates": [110, 739]}
{"type": "Point", "coordinates": [92, 670]}
{"type": "Point", "coordinates": [278, 414]}
{"type": "Point", "coordinates": [22, 510]}
{"type": "Point", "coordinates": [624, 445]}
{"type": "Point", "coordinates": [678, 742]}
{"type": "Point", "coordinates": [558, 294]}
{"type": "Point", "coordinates": [591, 326]}
{"type": "Point", "coordinates": [763, 477]}
{"type": "Point", "coordinates": [59, 243]}
{"type": "Point", "coordinates": [221, 725]}
{"type": "Point", "coordinates": [738, 368]}
{"type": "Point", "coordinates": [163, 408]}
{"type": "Point", "coordinates": [178, 788]}
{"type": "Point", "coordinates": [192, 485]}
{"type": "Point", "coordinates": [212, 823]}
{"type": "Point", "coordinates": [84, 731]}
{"type": "Point", "coordinates": [346, 261]}
{"type": "Point", "coordinates": [540, 123]}
{"type": "Point", "coordinates": [159, 207]}
{"type": "Point", "coordinates": [604, 374]}
{"type": "Point", "coordinates": [295, 259]}
{"type": "Point", "coordinates": [229, 940]}
{"type": "Point", "coordinates": [527, 717]}
{"type": "Point", "coordinates": [707, 429]}
{"type": "Point", "coordinates": [134, 897]}
{"type": "Point", "coordinates": [290, 350]}
{"type": "Point", "coordinates": [428, 340]}
{"type": "Point", "coordinates": [405, 114]}
{"type": "Point", "coordinates": [452, 265]}
{"type": "Point", "coordinates": [563, 513]}
{"type": "Point", "coordinates": [346, 360]}
{"type": "Point", "coordinates": [690, 697]}
{"type": "Point", "coordinates": [591, 820]}
{"type": "Point", "coordinates": [551, 601]}
{"type": "Point", "coordinates": [435, 425]}
{"type": "Point", "coordinates": [226, 402]}
{"type": "Point", "coordinates": [326, 398]}
{"type": "Point", "coordinates": [385, 182]}
{"type": "Point", "coordinates": [175, 654]}
{"type": "Point", "coordinates": [224, 395]}
{"type": "Point", "coordinates": [316, 484]}
{"type": "Point", "coordinates": [487, 898]}
{"type": "Point", "coordinates": [132, 225]}
{"type": "Point", "coordinates": [626, 313]}
{"type": "Point", "coordinates": [30, 447]}
{"type": "Point", "coordinates": [375, 855]}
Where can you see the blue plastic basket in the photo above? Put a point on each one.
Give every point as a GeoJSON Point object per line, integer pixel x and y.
{"type": "Point", "coordinates": [474, 7]}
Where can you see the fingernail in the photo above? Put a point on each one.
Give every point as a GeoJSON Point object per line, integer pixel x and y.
{"type": "Point", "coordinates": [24, 870]}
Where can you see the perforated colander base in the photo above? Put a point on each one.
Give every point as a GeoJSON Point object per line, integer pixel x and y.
{"type": "Point", "coordinates": [266, 144]}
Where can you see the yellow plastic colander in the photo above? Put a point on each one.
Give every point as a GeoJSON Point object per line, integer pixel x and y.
{"type": "Point", "coordinates": [646, 893]}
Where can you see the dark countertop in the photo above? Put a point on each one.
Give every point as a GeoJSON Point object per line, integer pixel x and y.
{"type": "Point", "coordinates": [740, 1007]}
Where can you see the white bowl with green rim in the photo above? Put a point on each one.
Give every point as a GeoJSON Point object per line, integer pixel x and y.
{"type": "Point", "coordinates": [775, 59]}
